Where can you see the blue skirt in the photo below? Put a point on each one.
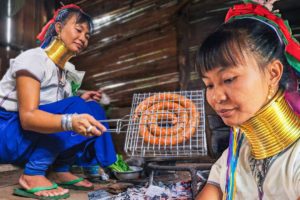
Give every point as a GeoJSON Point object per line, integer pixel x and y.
{"type": "Point", "coordinates": [37, 152]}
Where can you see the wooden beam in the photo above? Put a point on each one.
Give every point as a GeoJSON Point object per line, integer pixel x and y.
{"type": "Point", "coordinates": [184, 64]}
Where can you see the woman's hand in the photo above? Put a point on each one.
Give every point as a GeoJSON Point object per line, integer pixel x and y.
{"type": "Point", "coordinates": [92, 95]}
{"type": "Point", "coordinates": [87, 125]}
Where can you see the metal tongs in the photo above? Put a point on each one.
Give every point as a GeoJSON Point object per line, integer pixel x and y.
{"type": "Point", "coordinates": [131, 121]}
{"type": "Point", "coordinates": [120, 124]}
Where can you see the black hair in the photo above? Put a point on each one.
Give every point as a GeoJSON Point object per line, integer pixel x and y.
{"type": "Point", "coordinates": [63, 16]}
{"type": "Point", "coordinates": [232, 41]}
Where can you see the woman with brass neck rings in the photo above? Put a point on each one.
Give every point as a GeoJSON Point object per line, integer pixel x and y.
{"type": "Point", "coordinates": [248, 78]}
{"type": "Point", "coordinates": [42, 124]}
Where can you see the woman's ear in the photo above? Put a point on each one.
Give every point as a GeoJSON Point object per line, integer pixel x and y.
{"type": "Point", "coordinates": [58, 27]}
{"type": "Point", "coordinates": [275, 70]}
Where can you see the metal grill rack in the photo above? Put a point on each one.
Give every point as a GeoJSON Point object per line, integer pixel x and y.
{"type": "Point", "coordinates": [137, 145]}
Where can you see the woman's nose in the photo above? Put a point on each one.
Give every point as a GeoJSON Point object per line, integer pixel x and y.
{"type": "Point", "coordinates": [219, 96]}
{"type": "Point", "coordinates": [83, 39]}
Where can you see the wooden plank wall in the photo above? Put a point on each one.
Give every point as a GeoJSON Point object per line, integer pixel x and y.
{"type": "Point", "coordinates": [135, 53]}
{"type": "Point", "coordinates": [25, 25]}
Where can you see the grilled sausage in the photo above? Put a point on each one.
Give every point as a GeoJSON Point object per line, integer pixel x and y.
{"type": "Point", "coordinates": [179, 114]}
{"type": "Point", "coordinates": [186, 114]}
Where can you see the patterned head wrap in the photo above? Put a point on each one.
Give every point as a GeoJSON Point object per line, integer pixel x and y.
{"type": "Point", "coordinates": [274, 20]}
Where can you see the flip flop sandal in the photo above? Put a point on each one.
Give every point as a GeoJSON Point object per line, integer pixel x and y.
{"type": "Point", "coordinates": [71, 185]}
{"type": "Point", "coordinates": [30, 193]}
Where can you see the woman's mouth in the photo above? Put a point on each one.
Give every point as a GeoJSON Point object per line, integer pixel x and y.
{"type": "Point", "coordinates": [225, 113]}
{"type": "Point", "coordinates": [79, 46]}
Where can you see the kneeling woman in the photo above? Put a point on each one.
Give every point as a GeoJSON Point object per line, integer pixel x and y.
{"type": "Point", "coordinates": [41, 124]}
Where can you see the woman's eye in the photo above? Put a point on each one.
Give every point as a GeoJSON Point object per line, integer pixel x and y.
{"type": "Point", "coordinates": [229, 80]}
{"type": "Point", "coordinates": [79, 30]}
{"type": "Point", "coordinates": [209, 86]}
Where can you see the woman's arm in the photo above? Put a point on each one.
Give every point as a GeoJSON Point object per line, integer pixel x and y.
{"type": "Point", "coordinates": [28, 93]}
{"type": "Point", "coordinates": [210, 192]}
{"type": "Point", "coordinates": [33, 119]}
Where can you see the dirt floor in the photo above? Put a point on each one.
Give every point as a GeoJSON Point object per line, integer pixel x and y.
{"type": "Point", "coordinates": [9, 181]}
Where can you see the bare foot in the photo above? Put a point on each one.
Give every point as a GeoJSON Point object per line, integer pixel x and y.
{"type": "Point", "coordinates": [29, 182]}
{"type": "Point", "coordinates": [60, 177]}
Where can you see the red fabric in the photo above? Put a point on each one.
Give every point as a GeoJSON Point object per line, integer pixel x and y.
{"type": "Point", "coordinates": [41, 35]}
{"type": "Point", "coordinates": [292, 46]}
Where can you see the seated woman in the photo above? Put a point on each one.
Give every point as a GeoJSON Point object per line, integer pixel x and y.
{"type": "Point", "coordinates": [247, 66]}
{"type": "Point", "coordinates": [41, 124]}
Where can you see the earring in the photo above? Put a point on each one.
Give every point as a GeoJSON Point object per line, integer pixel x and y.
{"type": "Point", "coordinates": [270, 92]}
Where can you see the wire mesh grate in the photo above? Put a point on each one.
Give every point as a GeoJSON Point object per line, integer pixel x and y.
{"type": "Point", "coordinates": [167, 124]}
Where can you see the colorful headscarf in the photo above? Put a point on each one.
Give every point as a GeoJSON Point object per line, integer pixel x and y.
{"type": "Point", "coordinates": [274, 20]}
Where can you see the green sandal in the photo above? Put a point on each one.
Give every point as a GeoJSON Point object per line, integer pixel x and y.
{"type": "Point", "coordinates": [71, 185]}
{"type": "Point", "coordinates": [30, 193]}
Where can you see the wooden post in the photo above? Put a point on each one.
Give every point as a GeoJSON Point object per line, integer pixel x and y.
{"type": "Point", "coordinates": [184, 64]}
